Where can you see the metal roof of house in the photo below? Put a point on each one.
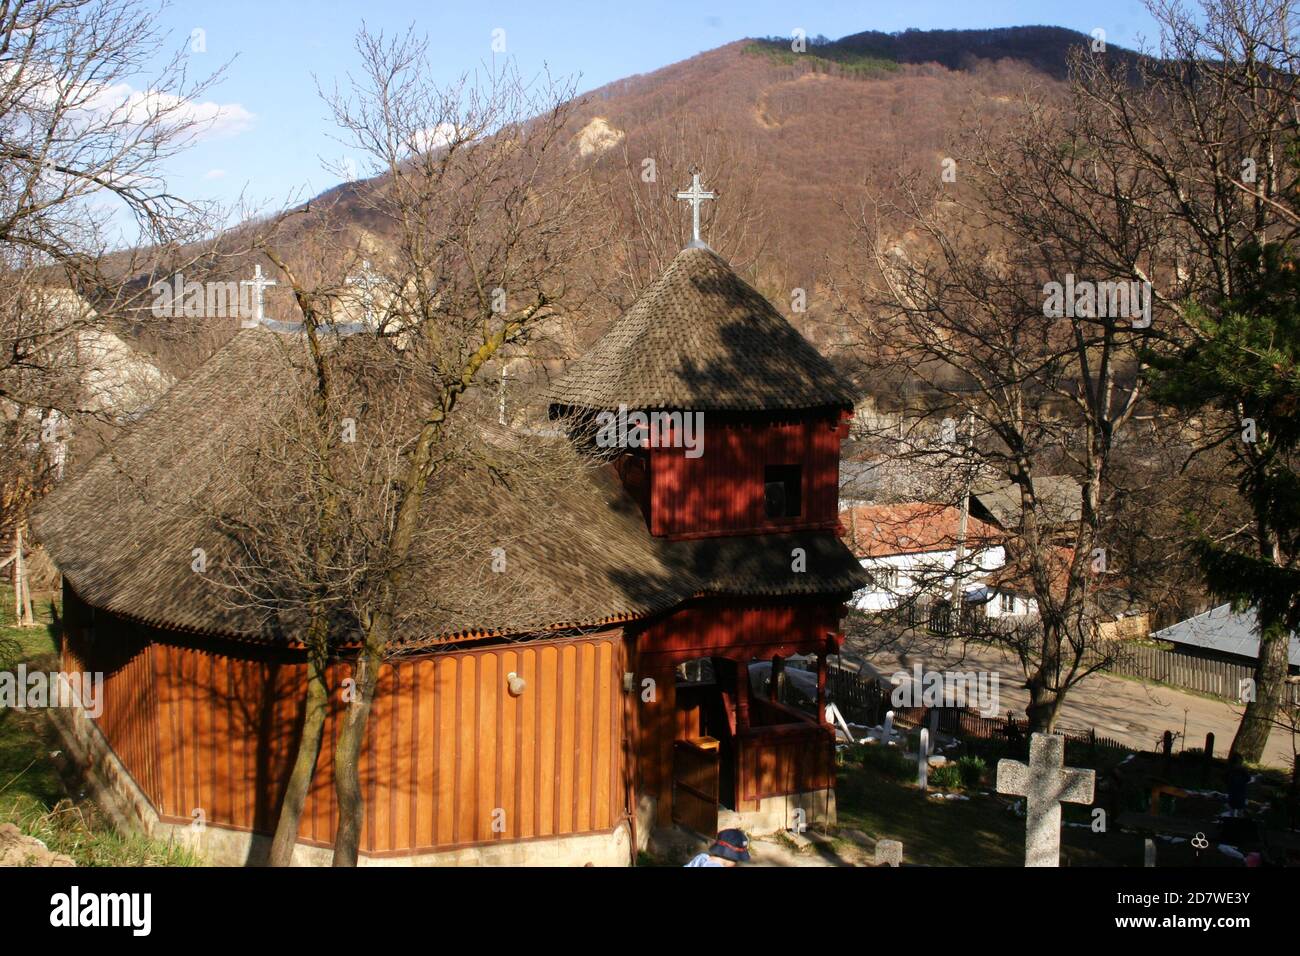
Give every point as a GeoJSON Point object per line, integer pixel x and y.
{"type": "Point", "coordinates": [1225, 631]}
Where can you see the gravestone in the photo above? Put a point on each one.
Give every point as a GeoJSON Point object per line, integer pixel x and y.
{"type": "Point", "coordinates": [889, 728]}
{"type": "Point", "coordinates": [1149, 853]}
{"type": "Point", "coordinates": [1045, 782]}
{"type": "Point", "coordinates": [923, 760]}
{"type": "Point", "coordinates": [889, 853]}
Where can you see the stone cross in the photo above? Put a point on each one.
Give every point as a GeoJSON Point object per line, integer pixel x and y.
{"type": "Point", "coordinates": [889, 853]}
{"type": "Point", "coordinates": [259, 283]}
{"type": "Point", "coordinates": [923, 760]}
{"type": "Point", "coordinates": [1045, 783]}
{"type": "Point", "coordinates": [695, 196]}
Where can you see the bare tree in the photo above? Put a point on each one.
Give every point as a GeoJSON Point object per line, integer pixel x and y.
{"type": "Point", "coordinates": [961, 306]}
{"type": "Point", "coordinates": [477, 209]}
{"type": "Point", "coordinates": [86, 124]}
{"type": "Point", "coordinates": [1210, 128]}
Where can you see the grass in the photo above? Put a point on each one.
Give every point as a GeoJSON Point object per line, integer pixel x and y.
{"type": "Point", "coordinates": [876, 793]}
{"type": "Point", "coordinates": [33, 792]}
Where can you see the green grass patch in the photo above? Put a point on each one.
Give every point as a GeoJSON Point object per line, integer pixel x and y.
{"type": "Point", "coordinates": [33, 792]}
{"type": "Point", "coordinates": [79, 832]}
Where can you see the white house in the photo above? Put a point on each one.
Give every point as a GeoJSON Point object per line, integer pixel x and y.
{"type": "Point", "coordinates": [910, 549]}
{"type": "Point", "coordinates": [1009, 591]}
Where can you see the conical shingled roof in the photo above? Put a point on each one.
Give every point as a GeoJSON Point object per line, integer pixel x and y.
{"type": "Point", "coordinates": [702, 339]}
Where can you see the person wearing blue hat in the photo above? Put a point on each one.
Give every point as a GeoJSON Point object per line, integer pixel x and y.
{"type": "Point", "coordinates": [730, 847]}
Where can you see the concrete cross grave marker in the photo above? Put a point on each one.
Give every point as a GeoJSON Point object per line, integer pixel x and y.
{"type": "Point", "coordinates": [923, 760]}
{"type": "Point", "coordinates": [889, 853]}
{"type": "Point", "coordinates": [1045, 783]}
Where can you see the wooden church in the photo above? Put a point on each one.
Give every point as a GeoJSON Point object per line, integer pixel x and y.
{"type": "Point", "coordinates": [633, 710]}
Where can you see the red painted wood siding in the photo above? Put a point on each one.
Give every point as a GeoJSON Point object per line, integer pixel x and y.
{"type": "Point", "coordinates": [738, 628]}
{"type": "Point", "coordinates": [721, 491]}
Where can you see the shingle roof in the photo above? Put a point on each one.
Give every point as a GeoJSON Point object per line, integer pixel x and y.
{"type": "Point", "coordinates": [1058, 496]}
{"type": "Point", "coordinates": [874, 531]}
{"type": "Point", "coordinates": [123, 531]}
{"type": "Point", "coordinates": [701, 339]}
{"type": "Point", "coordinates": [1221, 629]}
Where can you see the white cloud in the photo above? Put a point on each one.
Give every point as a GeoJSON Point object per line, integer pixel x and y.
{"type": "Point", "coordinates": [90, 104]}
{"type": "Point", "coordinates": [215, 174]}
{"type": "Point", "coordinates": [122, 101]}
{"type": "Point", "coordinates": [434, 137]}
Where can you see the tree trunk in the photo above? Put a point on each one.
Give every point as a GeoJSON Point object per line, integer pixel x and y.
{"type": "Point", "coordinates": [1044, 702]}
{"type": "Point", "coordinates": [1043, 706]}
{"type": "Point", "coordinates": [304, 765]}
{"type": "Point", "coordinates": [1270, 683]}
{"type": "Point", "coordinates": [347, 755]}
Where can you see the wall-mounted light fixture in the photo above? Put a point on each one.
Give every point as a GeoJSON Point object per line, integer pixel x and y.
{"type": "Point", "coordinates": [516, 684]}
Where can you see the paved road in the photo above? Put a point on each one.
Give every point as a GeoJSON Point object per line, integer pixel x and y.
{"type": "Point", "coordinates": [1124, 709]}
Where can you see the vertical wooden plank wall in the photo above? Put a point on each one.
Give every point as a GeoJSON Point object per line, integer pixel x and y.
{"type": "Point", "coordinates": [452, 758]}
{"type": "Point", "coordinates": [721, 491]}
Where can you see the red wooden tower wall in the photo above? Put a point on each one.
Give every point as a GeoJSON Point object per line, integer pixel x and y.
{"type": "Point", "coordinates": [721, 491]}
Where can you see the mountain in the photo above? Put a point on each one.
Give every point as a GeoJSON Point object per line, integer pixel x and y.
{"type": "Point", "coordinates": [790, 140]}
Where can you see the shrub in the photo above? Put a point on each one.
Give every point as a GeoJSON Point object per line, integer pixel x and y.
{"type": "Point", "coordinates": [887, 761]}
{"type": "Point", "coordinates": [972, 770]}
{"type": "Point", "coordinates": [946, 777]}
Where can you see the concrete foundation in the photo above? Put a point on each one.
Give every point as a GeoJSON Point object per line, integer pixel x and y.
{"type": "Point", "coordinates": [781, 813]}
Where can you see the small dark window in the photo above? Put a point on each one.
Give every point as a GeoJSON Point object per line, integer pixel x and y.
{"type": "Point", "coordinates": [783, 490]}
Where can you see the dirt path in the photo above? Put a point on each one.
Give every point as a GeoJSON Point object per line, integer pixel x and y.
{"type": "Point", "coordinates": [1127, 710]}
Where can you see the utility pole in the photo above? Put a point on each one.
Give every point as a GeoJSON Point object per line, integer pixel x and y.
{"type": "Point", "coordinates": [962, 517]}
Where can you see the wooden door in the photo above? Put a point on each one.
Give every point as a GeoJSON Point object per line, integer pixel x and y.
{"type": "Point", "coordinates": [695, 785]}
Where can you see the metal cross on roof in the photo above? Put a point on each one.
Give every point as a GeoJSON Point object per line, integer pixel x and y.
{"type": "Point", "coordinates": [696, 195]}
{"type": "Point", "coordinates": [259, 283]}
{"type": "Point", "coordinates": [368, 281]}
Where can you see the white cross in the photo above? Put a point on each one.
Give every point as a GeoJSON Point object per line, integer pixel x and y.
{"type": "Point", "coordinates": [696, 195]}
{"type": "Point", "coordinates": [367, 280]}
{"type": "Point", "coordinates": [258, 284]}
{"type": "Point", "coordinates": [1045, 783]}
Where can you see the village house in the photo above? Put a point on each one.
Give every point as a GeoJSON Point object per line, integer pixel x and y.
{"type": "Point", "coordinates": [1059, 503]}
{"type": "Point", "coordinates": [1223, 635]}
{"type": "Point", "coordinates": [911, 549]}
{"type": "Point", "coordinates": [495, 741]}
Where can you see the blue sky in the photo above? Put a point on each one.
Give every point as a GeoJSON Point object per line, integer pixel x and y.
{"type": "Point", "coordinates": [275, 133]}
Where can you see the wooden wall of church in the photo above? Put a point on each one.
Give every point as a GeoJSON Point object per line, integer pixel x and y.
{"type": "Point", "coordinates": [452, 758]}
{"type": "Point", "coordinates": [736, 629]}
{"type": "Point", "coordinates": [722, 491]}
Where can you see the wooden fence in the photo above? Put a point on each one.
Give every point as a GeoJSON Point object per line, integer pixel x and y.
{"type": "Point", "coordinates": [864, 700]}
{"type": "Point", "coordinates": [1180, 669]}
{"type": "Point", "coordinates": [1174, 667]}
